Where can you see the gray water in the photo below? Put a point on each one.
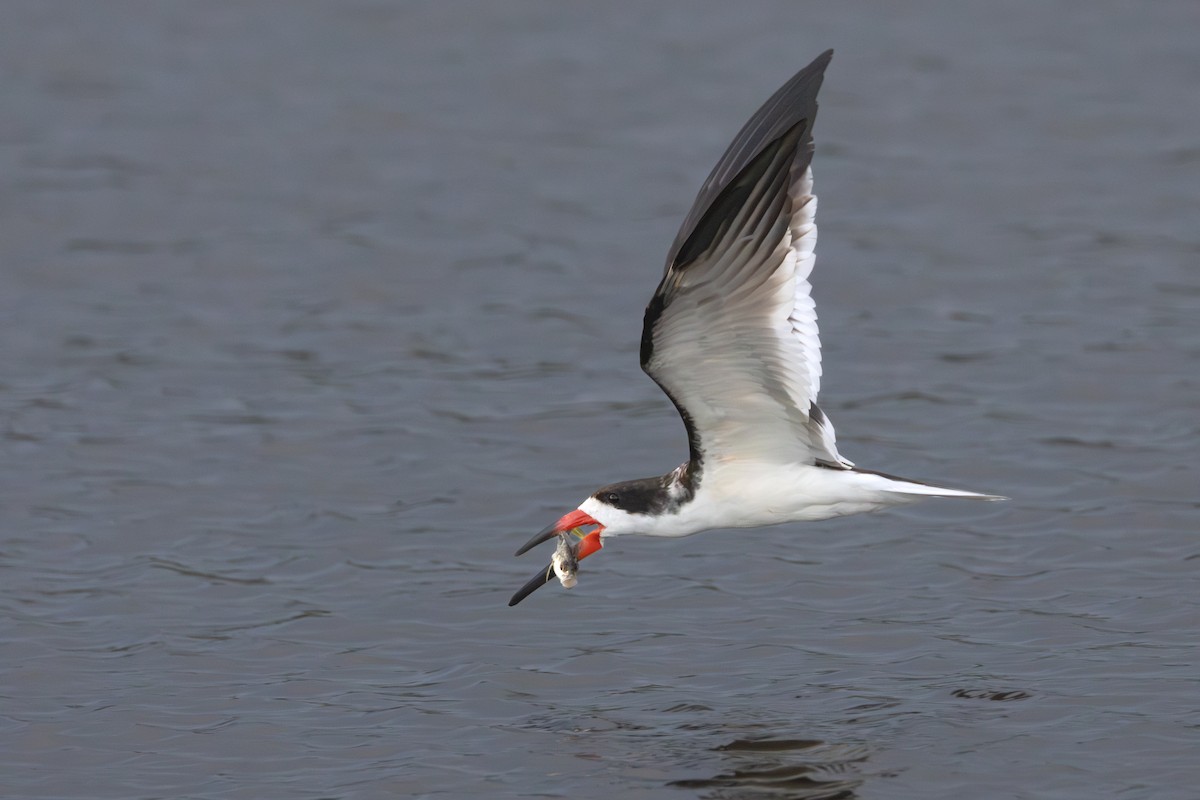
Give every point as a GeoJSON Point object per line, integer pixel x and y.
{"type": "Point", "coordinates": [313, 313]}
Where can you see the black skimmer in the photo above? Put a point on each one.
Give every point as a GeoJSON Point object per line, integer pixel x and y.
{"type": "Point", "coordinates": [730, 336]}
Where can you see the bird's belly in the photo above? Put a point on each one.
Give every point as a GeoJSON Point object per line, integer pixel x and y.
{"type": "Point", "coordinates": [754, 497]}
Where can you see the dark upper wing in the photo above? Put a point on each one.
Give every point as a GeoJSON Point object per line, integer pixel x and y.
{"type": "Point", "coordinates": [795, 100]}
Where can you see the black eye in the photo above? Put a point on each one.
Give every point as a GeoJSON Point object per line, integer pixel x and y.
{"type": "Point", "coordinates": [612, 498]}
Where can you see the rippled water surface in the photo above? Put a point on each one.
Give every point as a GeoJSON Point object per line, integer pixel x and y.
{"type": "Point", "coordinates": [312, 313]}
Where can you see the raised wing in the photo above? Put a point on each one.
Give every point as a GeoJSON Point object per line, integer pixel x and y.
{"type": "Point", "coordinates": [731, 333]}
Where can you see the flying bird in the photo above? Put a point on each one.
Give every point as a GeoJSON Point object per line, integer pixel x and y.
{"type": "Point", "coordinates": [730, 336]}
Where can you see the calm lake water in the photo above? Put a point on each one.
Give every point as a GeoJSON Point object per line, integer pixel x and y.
{"type": "Point", "coordinates": [313, 313]}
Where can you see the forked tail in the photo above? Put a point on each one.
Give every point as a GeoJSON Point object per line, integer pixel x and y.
{"type": "Point", "coordinates": [883, 482]}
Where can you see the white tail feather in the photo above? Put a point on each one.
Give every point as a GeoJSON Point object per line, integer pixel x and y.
{"type": "Point", "coordinates": [890, 483]}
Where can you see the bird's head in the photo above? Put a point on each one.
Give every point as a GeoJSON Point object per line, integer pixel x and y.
{"type": "Point", "coordinates": [614, 509]}
{"type": "Point", "coordinates": [611, 510]}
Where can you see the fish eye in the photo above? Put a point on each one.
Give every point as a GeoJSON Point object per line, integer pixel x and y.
{"type": "Point", "coordinates": [612, 498]}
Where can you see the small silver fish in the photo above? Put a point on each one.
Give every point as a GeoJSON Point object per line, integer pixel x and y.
{"type": "Point", "coordinates": [565, 561]}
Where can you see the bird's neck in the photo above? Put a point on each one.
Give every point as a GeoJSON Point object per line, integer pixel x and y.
{"type": "Point", "coordinates": [681, 483]}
